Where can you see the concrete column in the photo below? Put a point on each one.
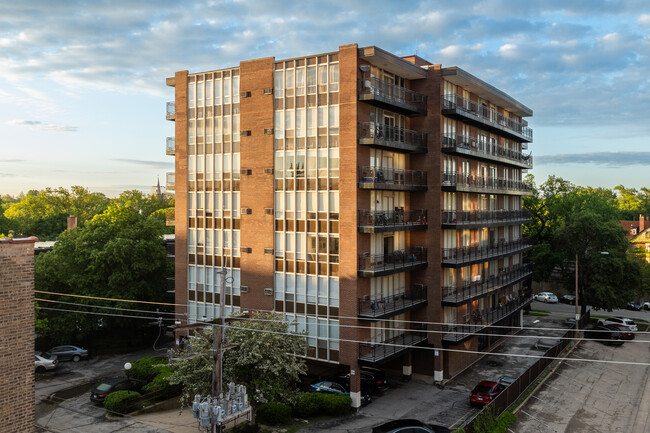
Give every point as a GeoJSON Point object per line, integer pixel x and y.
{"type": "Point", "coordinates": [437, 363]}
{"type": "Point", "coordinates": [355, 386]}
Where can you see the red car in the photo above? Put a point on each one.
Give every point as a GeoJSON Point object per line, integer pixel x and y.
{"type": "Point", "coordinates": [625, 330]}
{"type": "Point", "coordinates": [485, 392]}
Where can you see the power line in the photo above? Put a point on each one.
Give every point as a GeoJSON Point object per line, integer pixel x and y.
{"type": "Point", "coordinates": [109, 308]}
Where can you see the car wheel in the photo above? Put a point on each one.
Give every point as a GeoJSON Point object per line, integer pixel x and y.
{"type": "Point", "coordinates": [40, 369]}
{"type": "Point", "coordinates": [546, 301]}
{"type": "Point", "coordinates": [76, 358]}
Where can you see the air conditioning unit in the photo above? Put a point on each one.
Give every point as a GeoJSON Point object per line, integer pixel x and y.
{"type": "Point", "coordinates": [268, 131]}
{"type": "Point", "coordinates": [245, 94]}
{"type": "Point", "coordinates": [246, 211]}
{"type": "Point", "coordinates": [268, 250]}
{"type": "Point", "coordinates": [268, 211]}
{"type": "Point", "coordinates": [246, 171]}
{"type": "Point", "coordinates": [246, 250]}
{"type": "Point", "coordinates": [244, 289]}
{"type": "Point", "coordinates": [268, 91]}
{"type": "Point", "coordinates": [268, 291]}
{"type": "Point", "coordinates": [245, 132]}
{"type": "Point", "coordinates": [268, 171]}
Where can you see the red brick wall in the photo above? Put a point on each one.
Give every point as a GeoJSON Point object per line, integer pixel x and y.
{"type": "Point", "coordinates": [17, 335]}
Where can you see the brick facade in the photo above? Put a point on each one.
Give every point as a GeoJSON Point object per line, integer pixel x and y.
{"type": "Point", "coordinates": [17, 335]}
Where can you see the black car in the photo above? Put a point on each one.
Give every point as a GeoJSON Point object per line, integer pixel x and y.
{"type": "Point", "coordinates": [568, 299]}
{"type": "Point", "coordinates": [378, 378]}
{"type": "Point", "coordinates": [122, 383]}
{"type": "Point", "coordinates": [366, 382]}
{"type": "Point", "coordinates": [634, 306]}
{"type": "Point", "coordinates": [605, 335]}
{"type": "Point", "coordinates": [409, 426]}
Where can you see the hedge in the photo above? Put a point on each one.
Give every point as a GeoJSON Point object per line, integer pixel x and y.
{"type": "Point", "coordinates": [161, 385]}
{"type": "Point", "coordinates": [314, 403]}
{"type": "Point", "coordinates": [122, 401]}
{"type": "Point", "coordinates": [147, 368]}
{"type": "Point", "coordinates": [273, 413]}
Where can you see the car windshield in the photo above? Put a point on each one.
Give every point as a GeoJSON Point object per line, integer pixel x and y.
{"type": "Point", "coordinates": [46, 355]}
{"type": "Point", "coordinates": [624, 328]}
{"type": "Point", "coordinates": [483, 389]}
{"type": "Point", "coordinates": [103, 387]}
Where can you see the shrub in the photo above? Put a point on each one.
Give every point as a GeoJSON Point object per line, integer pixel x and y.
{"type": "Point", "coordinates": [245, 428]}
{"type": "Point", "coordinates": [273, 413]}
{"type": "Point", "coordinates": [485, 422]}
{"type": "Point", "coordinates": [147, 368]}
{"type": "Point", "coordinates": [162, 387]}
{"type": "Point", "coordinates": [336, 404]}
{"type": "Point", "coordinates": [122, 401]}
{"type": "Point", "coordinates": [308, 405]}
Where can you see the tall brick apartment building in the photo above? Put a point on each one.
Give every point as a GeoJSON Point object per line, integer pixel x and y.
{"type": "Point", "coordinates": [17, 335]}
{"type": "Point", "coordinates": [373, 200]}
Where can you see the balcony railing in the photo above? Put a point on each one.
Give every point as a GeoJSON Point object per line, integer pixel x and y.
{"type": "Point", "coordinates": [380, 308]}
{"type": "Point", "coordinates": [171, 111]}
{"type": "Point", "coordinates": [376, 265]}
{"type": "Point", "coordinates": [376, 353]}
{"type": "Point", "coordinates": [453, 295]}
{"type": "Point", "coordinates": [391, 221]}
{"type": "Point", "coordinates": [470, 183]}
{"type": "Point", "coordinates": [484, 217]}
{"type": "Point", "coordinates": [170, 181]}
{"type": "Point", "coordinates": [486, 116]}
{"type": "Point", "coordinates": [479, 252]}
{"type": "Point", "coordinates": [390, 137]}
{"type": "Point", "coordinates": [467, 145]}
{"type": "Point", "coordinates": [170, 147]}
{"type": "Point", "coordinates": [385, 94]}
{"type": "Point", "coordinates": [392, 179]}
{"type": "Point", "coordinates": [478, 320]}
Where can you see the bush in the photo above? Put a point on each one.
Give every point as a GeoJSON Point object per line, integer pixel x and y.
{"type": "Point", "coordinates": [336, 404]}
{"type": "Point", "coordinates": [245, 428]}
{"type": "Point", "coordinates": [308, 405]}
{"type": "Point", "coordinates": [122, 401]}
{"type": "Point", "coordinates": [485, 422]}
{"type": "Point", "coordinates": [273, 413]}
{"type": "Point", "coordinates": [147, 368]}
{"type": "Point", "coordinates": [162, 387]}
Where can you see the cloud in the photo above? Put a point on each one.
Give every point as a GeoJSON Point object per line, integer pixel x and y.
{"type": "Point", "coordinates": [12, 161]}
{"type": "Point", "coordinates": [7, 174]}
{"type": "Point", "coordinates": [148, 164]}
{"type": "Point", "coordinates": [42, 126]}
{"type": "Point", "coordinates": [644, 20]}
{"type": "Point", "coordinates": [607, 159]}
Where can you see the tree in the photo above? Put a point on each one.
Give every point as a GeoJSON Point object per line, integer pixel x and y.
{"type": "Point", "coordinates": [118, 254]}
{"type": "Point", "coordinates": [264, 354]}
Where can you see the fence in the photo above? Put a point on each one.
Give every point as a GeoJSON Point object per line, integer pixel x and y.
{"type": "Point", "coordinates": [523, 382]}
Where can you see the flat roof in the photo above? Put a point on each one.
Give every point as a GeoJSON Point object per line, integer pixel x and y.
{"type": "Point", "coordinates": [392, 63]}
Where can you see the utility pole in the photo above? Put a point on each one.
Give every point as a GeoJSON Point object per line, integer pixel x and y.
{"type": "Point", "coordinates": [577, 312]}
{"type": "Point", "coordinates": [218, 337]}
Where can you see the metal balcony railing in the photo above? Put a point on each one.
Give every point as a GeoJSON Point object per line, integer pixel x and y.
{"type": "Point", "coordinates": [397, 220]}
{"type": "Point", "coordinates": [379, 308]}
{"type": "Point", "coordinates": [478, 320]}
{"type": "Point", "coordinates": [374, 265]}
{"type": "Point", "coordinates": [170, 147]}
{"type": "Point", "coordinates": [483, 252]}
{"type": "Point", "coordinates": [486, 115]}
{"type": "Point", "coordinates": [375, 353]}
{"type": "Point", "coordinates": [471, 290]}
{"type": "Point", "coordinates": [461, 181]}
{"type": "Point", "coordinates": [392, 179]}
{"type": "Point", "coordinates": [170, 181]}
{"type": "Point", "coordinates": [373, 89]}
{"type": "Point", "coordinates": [379, 135]}
{"type": "Point", "coordinates": [171, 111]}
{"type": "Point", "coordinates": [485, 149]}
{"type": "Point", "coordinates": [481, 217]}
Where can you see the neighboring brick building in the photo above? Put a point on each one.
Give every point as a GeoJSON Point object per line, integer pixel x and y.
{"type": "Point", "coordinates": [17, 335]}
{"type": "Point", "coordinates": [638, 234]}
{"type": "Point", "coordinates": [367, 197]}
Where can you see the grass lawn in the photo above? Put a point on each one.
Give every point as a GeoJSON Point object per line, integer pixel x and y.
{"type": "Point", "coordinates": [541, 313]}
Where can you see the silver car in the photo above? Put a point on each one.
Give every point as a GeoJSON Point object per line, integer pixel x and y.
{"type": "Point", "coordinates": [616, 320]}
{"type": "Point", "coordinates": [546, 297]}
{"type": "Point", "coordinates": [73, 353]}
{"type": "Point", "coordinates": [44, 362]}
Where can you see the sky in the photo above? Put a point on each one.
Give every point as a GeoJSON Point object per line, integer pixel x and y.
{"type": "Point", "coordinates": [82, 83]}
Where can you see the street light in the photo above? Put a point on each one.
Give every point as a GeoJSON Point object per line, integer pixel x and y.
{"type": "Point", "coordinates": [604, 253]}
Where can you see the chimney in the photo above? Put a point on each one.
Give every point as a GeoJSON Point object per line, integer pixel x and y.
{"type": "Point", "coordinates": [641, 223]}
{"type": "Point", "coordinates": [72, 222]}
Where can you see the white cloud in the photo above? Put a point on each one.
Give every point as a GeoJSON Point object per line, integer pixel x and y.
{"type": "Point", "coordinates": [42, 126]}
{"type": "Point", "coordinates": [509, 51]}
{"type": "Point", "coordinates": [644, 20]}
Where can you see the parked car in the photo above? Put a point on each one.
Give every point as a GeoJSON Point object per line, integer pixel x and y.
{"type": "Point", "coordinates": [485, 392]}
{"type": "Point", "coordinates": [605, 335]}
{"type": "Point", "coordinates": [568, 299]}
{"type": "Point", "coordinates": [617, 320]}
{"type": "Point", "coordinates": [44, 361]}
{"type": "Point", "coordinates": [344, 379]}
{"type": "Point", "coordinates": [409, 426]}
{"type": "Point", "coordinates": [646, 305]}
{"type": "Point", "coordinates": [379, 378]}
{"type": "Point", "coordinates": [67, 353]}
{"type": "Point", "coordinates": [570, 322]}
{"type": "Point", "coordinates": [633, 306]}
{"type": "Point", "coordinates": [121, 383]}
{"type": "Point", "coordinates": [506, 381]}
{"type": "Point", "coordinates": [545, 344]}
{"type": "Point", "coordinates": [546, 297]}
{"type": "Point", "coordinates": [331, 387]}
{"type": "Point", "coordinates": [624, 330]}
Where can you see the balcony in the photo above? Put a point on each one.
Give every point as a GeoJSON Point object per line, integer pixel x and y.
{"type": "Point", "coordinates": [170, 181]}
{"type": "Point", "coordinates": [471, 146]}
{"type": "Point", "coordinates": [484, 117]}
{"type": "Point", "coordinates": [392, 138]}
{"type": "Point", "coordinates": [483, 218]}
{"type": "Point", "coordinates": [378, 265]}
{"type": "Point", "coordinates": [391, 97]}
{"type": "Point", "coordinates": [377, 353]}
{"type": "Point", "coordinates": [464, 256]}
{"type": "Point", "coordinates": [170, 148]}
{"type": "Point", "coordinates": [454, 181]}
{"type": "Point", "coordinates": [454, 296]}
{"type": "Point", "coordinates": [391, 221]}
{"type": "Point", "coordinates": [392, 179]}
{"type": "Point", "coordinates": [381, 308]}
{"type": "Point", "coordinates": [171, 111]}
{"type": "Point", "coordinates": [478, 320]}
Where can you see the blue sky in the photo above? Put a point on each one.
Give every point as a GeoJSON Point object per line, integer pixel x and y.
{"type": "Point", "coordinates": [82, 83]}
